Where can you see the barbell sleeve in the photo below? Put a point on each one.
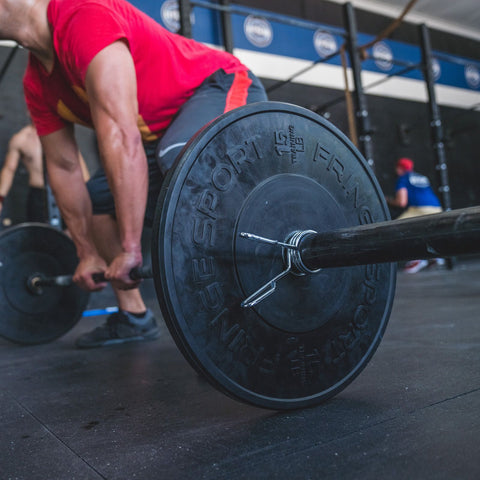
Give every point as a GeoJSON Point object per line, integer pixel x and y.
{"type": "Point", "coordinates": [446, 234]}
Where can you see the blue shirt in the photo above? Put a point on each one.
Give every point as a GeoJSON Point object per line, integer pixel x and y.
{"type": "Point", "coordinates": [420, 193]}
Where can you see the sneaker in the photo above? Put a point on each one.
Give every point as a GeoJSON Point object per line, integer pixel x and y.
{"type": "Point", "coordinates": [436, 263]}
{"type": "Point", "coordinates": [415, 266]}
{"type": "Point", "coordinates": [121, 327]}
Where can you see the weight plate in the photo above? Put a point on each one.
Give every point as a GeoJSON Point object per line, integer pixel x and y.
{"type": "Point", "coordinates": [269, 169]}
{"type": "Point", "coordinates": [30, 317]}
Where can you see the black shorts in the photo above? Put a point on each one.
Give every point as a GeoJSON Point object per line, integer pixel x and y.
{"type": "Point", "coordinates": [218, 93]}
{"type": "Point", "coordinates": [36, 205]}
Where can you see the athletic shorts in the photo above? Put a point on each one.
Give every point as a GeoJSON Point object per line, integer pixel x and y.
{"type": "Point", "coordinates": [411, 212]}
{"type": "Point", "coordinates": [218, 94]}
{"type": "Point", "coordinates": [36, 205]}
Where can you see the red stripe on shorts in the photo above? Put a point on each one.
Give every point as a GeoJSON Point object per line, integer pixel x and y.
{"type": "Point", "coordinates": [238, 93]}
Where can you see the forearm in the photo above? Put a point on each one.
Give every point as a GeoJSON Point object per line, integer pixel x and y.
{"type": "Point", "coordinates": [66, 179]}
{"type": "Point", "coordinates": [74, 203]}
{"type": "Point", "coordinates": [126, 168]}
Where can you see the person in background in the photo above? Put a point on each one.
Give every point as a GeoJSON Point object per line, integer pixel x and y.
{"type": "Point", "coordinates": [25, 148]}
{"type": "Point", "coordinates": [414, 194]}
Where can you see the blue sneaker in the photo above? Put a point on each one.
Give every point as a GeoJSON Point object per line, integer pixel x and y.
{"type": "Point", "coordinates": [121, 327]}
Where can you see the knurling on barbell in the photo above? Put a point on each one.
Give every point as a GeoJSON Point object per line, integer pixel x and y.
{"type": "Point", "coordinates": [37, 281]}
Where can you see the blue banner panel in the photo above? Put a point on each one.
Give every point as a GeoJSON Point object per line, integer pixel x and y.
{"type": "Point", "coordinates": [270, 33]}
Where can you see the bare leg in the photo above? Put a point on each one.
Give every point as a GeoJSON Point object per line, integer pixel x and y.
{"type": "Point", "coordinates": [108, 244]}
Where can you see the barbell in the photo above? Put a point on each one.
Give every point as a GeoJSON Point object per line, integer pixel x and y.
{"type": "Point", "coordinates": [273, 258]}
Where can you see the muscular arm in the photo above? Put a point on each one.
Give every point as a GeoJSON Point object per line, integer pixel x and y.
{"type": "Point", "coordinates": [68, 185]}
{"type": "Point", "coordinates": [7, 173]}
{"type": "Point", "coordinates": [112, 92]}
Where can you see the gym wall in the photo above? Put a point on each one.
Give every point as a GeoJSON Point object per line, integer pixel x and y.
{"type": "Point", "coordinates": [400, 120]}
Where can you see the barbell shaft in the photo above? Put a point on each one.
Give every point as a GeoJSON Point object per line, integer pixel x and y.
{"type": "Point", "coordinates": [67, 280]}
{"type": "Point", "coordinates": [447, 234]}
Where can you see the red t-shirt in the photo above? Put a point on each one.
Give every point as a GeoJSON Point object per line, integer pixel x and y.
{"type": "Point", "coordinates": [169, 67]}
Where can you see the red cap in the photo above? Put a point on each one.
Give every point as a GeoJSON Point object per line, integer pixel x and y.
{"type": "Point", "coordinates": [406, 164]}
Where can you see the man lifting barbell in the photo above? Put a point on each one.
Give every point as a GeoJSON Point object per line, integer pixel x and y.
{"type": "Point", "coordinates": [145, 91]}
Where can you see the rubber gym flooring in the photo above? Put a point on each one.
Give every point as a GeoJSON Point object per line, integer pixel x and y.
{"type": "Point", "coordinates": [139, 411]}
